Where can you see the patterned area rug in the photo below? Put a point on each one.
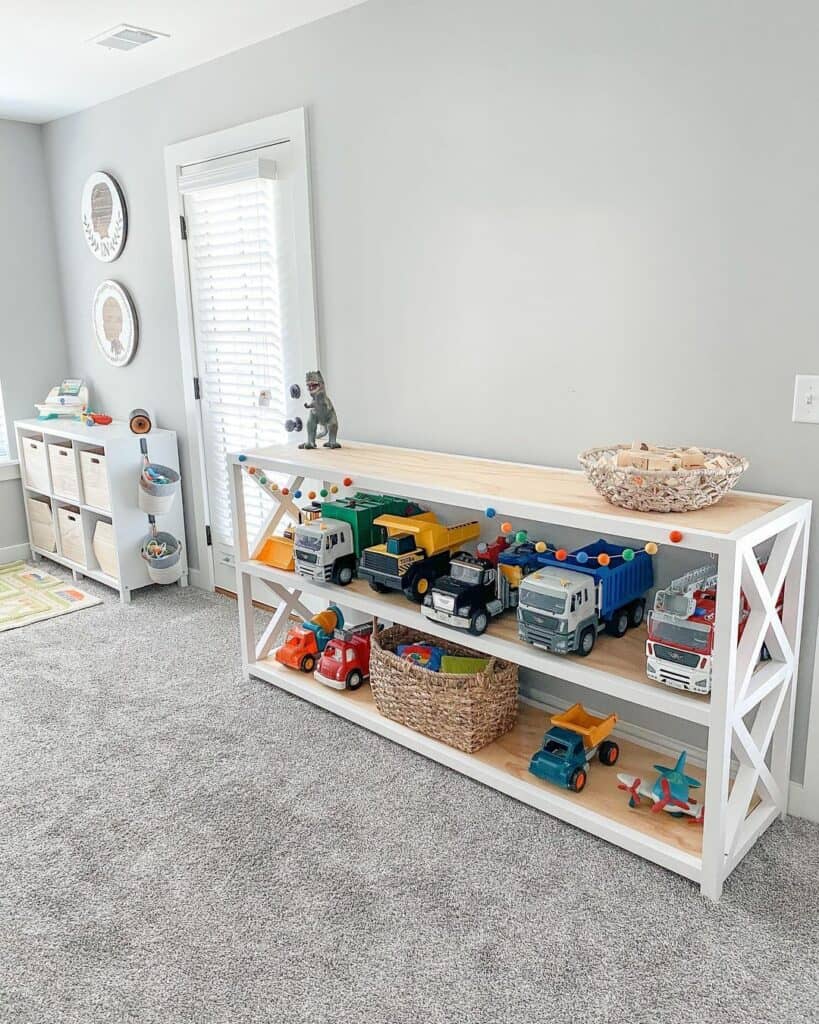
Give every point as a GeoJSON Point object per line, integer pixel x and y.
{"type": "Point", "coordinates": [28, 594]}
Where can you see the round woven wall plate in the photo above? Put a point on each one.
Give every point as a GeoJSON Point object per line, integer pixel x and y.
{"type": "Point", "coordinates": [104, 217]}
{"type": "Point", "coordinates": [115, 323]}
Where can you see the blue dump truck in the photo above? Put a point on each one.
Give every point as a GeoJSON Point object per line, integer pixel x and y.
{"type": "Point", "coordinates": [565, 604]}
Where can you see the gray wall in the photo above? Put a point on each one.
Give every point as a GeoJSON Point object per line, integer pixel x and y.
{"type": "Point", "coordinates": [540, 225]}
{"type": "Point", "coordinates": [32, 348]}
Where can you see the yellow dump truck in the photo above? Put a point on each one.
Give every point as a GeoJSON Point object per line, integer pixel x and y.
{"type": "Point", "coordinates": [416, 552]}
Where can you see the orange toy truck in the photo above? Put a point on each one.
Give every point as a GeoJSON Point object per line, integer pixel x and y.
{"type": "Point", "coordinates": [303, 644]}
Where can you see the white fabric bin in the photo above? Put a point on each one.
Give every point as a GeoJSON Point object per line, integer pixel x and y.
{"type": "Point", "coordinates": [63, 472]}
{"type": "Point", "coordinates": [36, 464]}
{"type": "Point", "coordinates": [42, 524]}
{"type": "Point", "coordinates": [72, 539]}
{"type": "Point", "coordinates": [105, 548]}
{"type": "Point", "coordinates": [95, 480]}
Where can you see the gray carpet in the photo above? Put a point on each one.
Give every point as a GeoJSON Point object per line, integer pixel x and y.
{"type": "Point", "coordinates": [177, 845]}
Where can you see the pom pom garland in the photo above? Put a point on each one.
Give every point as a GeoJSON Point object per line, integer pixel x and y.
{"type": "Point", "coordinates": [603, 559]}
{"type": "Point", "coordinates": [297, 494]}
{"type": "Point", "coordinates": [541, 546]}
{"type": "Point", "coordinates": [521, 536]}
{"type": "Point", "coordinates": [324, 492]}
{"type": "Point", "coordinates": [651, 548]}
{"type": "Point", "coordinates": [506, 527]}
{"type": "Point", "coordinates": [490, 513]}
{"type": "Point", "coordinates": [581, 557]}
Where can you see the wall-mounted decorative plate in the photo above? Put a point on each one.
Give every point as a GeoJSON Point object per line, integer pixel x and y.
{"type": "Point", "coordinates": [104, 217]}
{"type": "Point", "coordinates": [115, 323]}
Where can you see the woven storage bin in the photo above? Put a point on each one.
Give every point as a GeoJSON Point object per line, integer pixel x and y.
{"type": "Point", "coordinates": [682, 490]}
{"type": "Point", "coordinates": [464, 711]}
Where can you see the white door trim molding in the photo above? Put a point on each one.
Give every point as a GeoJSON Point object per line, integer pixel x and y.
{"type": "Point", "coordinates": [289, 127]}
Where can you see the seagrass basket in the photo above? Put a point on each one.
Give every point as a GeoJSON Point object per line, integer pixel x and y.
{"type": "Point", "coordinates": [681, 490]}
{"type": "Point", "coordinates": [464, 711]}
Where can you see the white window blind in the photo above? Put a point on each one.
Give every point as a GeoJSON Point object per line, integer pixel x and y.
{"type": "Point", "coordinates": [4, 435]}
{"type": "Point", "coordinates": [237, 291]}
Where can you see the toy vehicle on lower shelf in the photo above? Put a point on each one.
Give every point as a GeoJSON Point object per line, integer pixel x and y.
{"type": "Point", "coordinates": [479, 587]}
{"type": "Point", "coordinates": [569, 746]}
{"type": "Point", "coordinates": [563, 607]}
{"type": "Point", "coordinates": [303, 644]}
{"type": "Point", "coordinates": [417, 551]}
{"type": "Point", "coordinates": [670, 791]}
{"type": "Point", "coordinates": [326, 547]}
{"type": "Point", "coordinates": [345, 663]}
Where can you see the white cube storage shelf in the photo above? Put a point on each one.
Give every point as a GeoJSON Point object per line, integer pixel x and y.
{"type": "Point", "coordinates": [81, 485]}
{"type": "Point", "coordinates": [748, 716]}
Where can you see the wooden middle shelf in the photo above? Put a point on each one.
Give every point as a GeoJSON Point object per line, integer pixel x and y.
{"type": "Point", "coordinates": [615, 667]}
{"type": "Point", "coordinates": [601, 808]}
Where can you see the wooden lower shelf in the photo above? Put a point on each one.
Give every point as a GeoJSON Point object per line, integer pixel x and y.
{"type": "Point", "coordinates": [601, 808]}
{"type": "Point", "coordinates": [616, 667]}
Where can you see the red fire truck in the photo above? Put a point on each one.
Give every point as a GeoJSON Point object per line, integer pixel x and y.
{"type": "Point", "coordinates": [345, 662]}
{"type": "Point", "coordinates": [681, 630]}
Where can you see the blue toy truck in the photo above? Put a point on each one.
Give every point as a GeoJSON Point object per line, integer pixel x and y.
{"type": "Point", "coordinates": [564, 605]}
{"type": "Point", "coordinates": [569, 746]}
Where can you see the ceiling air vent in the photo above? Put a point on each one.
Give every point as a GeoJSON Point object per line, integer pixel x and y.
{"type": "Point", "coordinates": [127, 37]}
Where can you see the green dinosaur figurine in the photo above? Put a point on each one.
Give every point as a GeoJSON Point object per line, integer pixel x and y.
{"type": "Point", "coordinates": [322, 413]}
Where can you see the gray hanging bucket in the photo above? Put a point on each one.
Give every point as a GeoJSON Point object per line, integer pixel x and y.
{"type": "Point", "coordinates": [167, 566]}
{"type": "Point", "coordinates": [156, 498]}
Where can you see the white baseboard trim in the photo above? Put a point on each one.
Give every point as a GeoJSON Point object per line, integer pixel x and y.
{"type": "Point", "coordinates": [800, 803]}
{"type": "Point", "coordinates": [195, 579]}
{"type": "Point", "coordinates": [15, 553]}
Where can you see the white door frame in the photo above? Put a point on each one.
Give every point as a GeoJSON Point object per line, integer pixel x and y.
{"type": "Point", "coordinates": [290, 127]}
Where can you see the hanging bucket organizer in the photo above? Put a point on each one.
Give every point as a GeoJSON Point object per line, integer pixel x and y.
{"type": "Point", "coordinates": [465, 711]}
{"type": "Point", "coordinates": [157, 488]}
{"type": "Point", "coordinates": [163, 556]}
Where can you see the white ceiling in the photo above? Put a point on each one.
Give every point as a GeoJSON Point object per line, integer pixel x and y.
{"type": "Point", "coordinates": [49, 69]}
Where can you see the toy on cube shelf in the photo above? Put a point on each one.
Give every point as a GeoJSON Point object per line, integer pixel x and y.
{"type": "Point", "coordinates": [573, 740]}
{"type": "Point", "coordinates": [576, 595]}
{"type": "Point", "coordinates": [417, 551]}
{"type": "Point", "coordinates": [322, 421]}
{"type": "Point", "coordinates": [481, 586]}
{"type": "Point", "coordinates": [328, 545]}
{"type": "Point", "coordinates": [345, 663]}
{"type": "Point", "coordinates": [669, 792]}
{"type": "Point", "coordinates": [681, 630]}
{"type": "Point", "coordinates": [303, 644]}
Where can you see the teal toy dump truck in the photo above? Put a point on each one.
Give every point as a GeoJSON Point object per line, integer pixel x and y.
{"type": "Point", "coordinates": [569, 746]}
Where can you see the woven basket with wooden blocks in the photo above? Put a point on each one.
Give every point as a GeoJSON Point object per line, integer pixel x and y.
{"type": "Point", "coordinates": [466, 711]}
{"type": "Point", "coordinates": [650, 478]}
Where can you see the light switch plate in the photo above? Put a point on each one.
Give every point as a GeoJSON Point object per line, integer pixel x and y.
{"type": "Point", "coordinates": [806, 399]}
